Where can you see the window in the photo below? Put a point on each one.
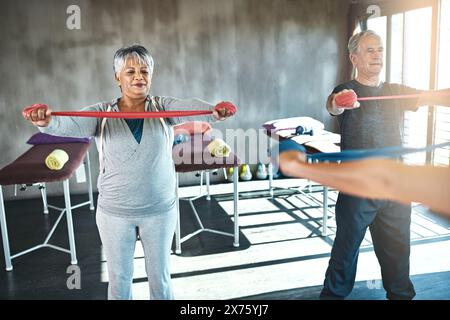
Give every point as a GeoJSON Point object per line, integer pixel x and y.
{"type": "Point", "coordinates": [396, 46]}
{"type": "Point", "coordinates": [415, 71]}
{"type": "Point", "coordinates": [442, 114]}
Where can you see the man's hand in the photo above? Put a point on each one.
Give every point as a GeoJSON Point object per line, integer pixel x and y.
{"type": "Point", "coordinates": [38, 114]}
{"type": "Point", "coordinates": [345, 99]}
{"type": "Point", "coordinates": [435, 98]}
{"type": "Point", "coordinates": [224, 110]}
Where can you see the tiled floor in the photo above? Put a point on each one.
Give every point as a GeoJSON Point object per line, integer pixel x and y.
{"type": "Point", "coordinates": [282, 253]}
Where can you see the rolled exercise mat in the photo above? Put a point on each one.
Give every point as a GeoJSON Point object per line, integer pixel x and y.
{"type": "Point", "coordinates": [219, 148]}
{"type": "Point", "coordinates": [56, 159]}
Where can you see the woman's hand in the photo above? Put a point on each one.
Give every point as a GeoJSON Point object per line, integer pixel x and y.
{"type": "Point", "coordinates": [38, 114]}
{"type": "Point", "coordinates": [224, 110]}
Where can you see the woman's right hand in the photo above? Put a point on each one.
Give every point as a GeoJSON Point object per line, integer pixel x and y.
{"type": "Point", "coordinates": [38, 114]}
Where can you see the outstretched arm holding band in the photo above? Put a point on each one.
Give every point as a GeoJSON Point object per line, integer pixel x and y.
{"type": "Point", "coordinates": [337, 103]}
{"type": "Point", "coordinates": [435, 98]}
{"type": "Point", "coordinates": [376, 179]}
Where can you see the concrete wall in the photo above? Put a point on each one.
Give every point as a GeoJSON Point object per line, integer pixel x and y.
{"type": "Point", "coordinates": [273, 58]}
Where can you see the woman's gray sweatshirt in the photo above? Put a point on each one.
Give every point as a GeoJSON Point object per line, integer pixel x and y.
{"type": "Point", "coordinates": [138, 179]}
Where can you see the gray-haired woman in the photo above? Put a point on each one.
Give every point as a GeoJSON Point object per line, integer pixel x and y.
{"type": "Point", "coordinates": [137, 178]}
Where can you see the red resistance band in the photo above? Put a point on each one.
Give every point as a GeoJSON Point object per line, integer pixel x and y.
{"type": "Point", "coordinates": [130, 115]}
{"type": "Point", "coordinates": [350, 97]}
{"type": "Point", "coordinates": [133, 115]}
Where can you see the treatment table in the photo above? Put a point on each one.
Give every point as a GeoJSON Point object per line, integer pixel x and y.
{"type": "Point", "coordinates": [29, 169]}
{"type": "Point", "coordinates": [199, 159]}
{"type": "Point", "coordinates": [313, 137]}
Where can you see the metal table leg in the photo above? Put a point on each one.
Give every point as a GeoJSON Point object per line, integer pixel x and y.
{"type": "Point", "coordinates": [5, 233]}
{"type": "Point", "coordinates": [208, 195]}
{"type": "Point", "coordinates": [269, 151]}
{"type": "Point", "coordinates": [91, 197]}
{"type": "Point", "coordinates": [177, 230]}
{"type": "Point", "coordinates": [325, 211]}
{"type": "Point", "coordinates": [201, 227]}
{"type": "Point", "coordinates": [73, 254]}
{"type": "Point", "coordinates": [43, 189]}
{"type": "Point", "coordinates": [235, 206]}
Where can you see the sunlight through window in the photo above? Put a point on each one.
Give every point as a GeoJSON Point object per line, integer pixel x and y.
{"type": "Point", "coordinates": [442, 123]}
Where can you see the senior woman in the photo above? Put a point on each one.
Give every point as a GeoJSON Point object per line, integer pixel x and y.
{"type": "Point", "coordinates": [136, 183]}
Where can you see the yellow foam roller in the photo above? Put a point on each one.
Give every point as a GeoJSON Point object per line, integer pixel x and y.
{"type": "Point", "coordinates": [56, 159]}
{"type": "Point", "coordinates": [219, 148]}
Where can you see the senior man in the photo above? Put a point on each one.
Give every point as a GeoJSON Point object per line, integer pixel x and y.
{"type": "Point", "coordinates": [364, 125]}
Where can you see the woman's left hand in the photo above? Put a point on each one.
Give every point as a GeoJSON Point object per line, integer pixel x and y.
{"type": "Point", "coordinates": [224, 110]}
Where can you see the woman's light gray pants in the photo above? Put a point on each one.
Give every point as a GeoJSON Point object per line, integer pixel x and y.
{"type": "Point", "coordinates": [118, 235]}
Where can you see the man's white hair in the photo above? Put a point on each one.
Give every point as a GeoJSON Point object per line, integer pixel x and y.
{"type": "Point", "coordinates": [353, 43]}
